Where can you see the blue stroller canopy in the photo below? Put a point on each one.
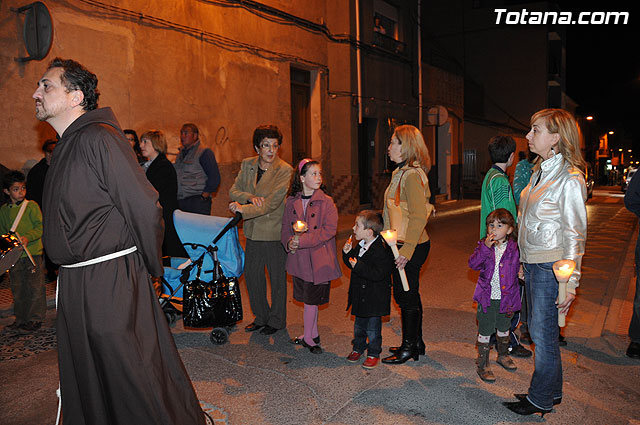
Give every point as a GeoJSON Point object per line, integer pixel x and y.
{"type": "Point", "coordinates": [201, 230]}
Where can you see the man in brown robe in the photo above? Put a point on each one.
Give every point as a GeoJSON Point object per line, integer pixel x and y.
{"type": "Point", "coordinates": [117, 358]}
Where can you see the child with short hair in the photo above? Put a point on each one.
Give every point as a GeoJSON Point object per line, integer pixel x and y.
{"type": "Point", "coordinates": [497, 291]}
{"type": "Point", "coordinates": [496, 189]}
{"type": "Point", "coordinates": [311, 256]}
{"type": "Point", "coordinates": [27, 281]}
{"type": "Point", "coordinates": [371, 263]}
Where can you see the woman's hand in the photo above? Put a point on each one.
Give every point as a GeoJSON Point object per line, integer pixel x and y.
{"type": "Point", "coordinates": [521, 271]}
{"type": "Point", "coordinates": [24, 240]}
{"type": "Point", "coordinates": [258, 201]}
{"type": "Point", "coordinates": [564, 307]}
{"type": "Point", "coordinates": [235, 207]}
{"type": "Point", "coordinates": [401, 261]}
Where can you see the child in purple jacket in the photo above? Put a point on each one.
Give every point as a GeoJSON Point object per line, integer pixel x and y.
{"type": "Point", "coordinates": [497, 291]}
{"type": "Point", "coordinates": [311, 252]}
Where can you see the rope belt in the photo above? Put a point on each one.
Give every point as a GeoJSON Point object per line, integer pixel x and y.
{"type": "Point", "coordinates": [102, 258]}
{"type": "Point", "coordinates": [90, 262]}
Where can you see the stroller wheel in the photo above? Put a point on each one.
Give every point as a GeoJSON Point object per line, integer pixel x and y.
{"type": "Point", "coordinates": [171, 317]}
{"type": "Point", "coordinates": [219, 336]}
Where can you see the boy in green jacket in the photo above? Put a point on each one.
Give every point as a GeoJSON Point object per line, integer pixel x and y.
{"type": "Point", "coordinates": [27, 280]}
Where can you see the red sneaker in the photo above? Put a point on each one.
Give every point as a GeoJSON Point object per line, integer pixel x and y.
{"type": "Point", "coordinates": [354, 357]}
{"type": "Point", "coordinates": [370, 362]}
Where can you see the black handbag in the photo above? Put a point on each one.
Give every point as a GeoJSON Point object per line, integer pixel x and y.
{"type": "Point", "coordinates": [210, 304]}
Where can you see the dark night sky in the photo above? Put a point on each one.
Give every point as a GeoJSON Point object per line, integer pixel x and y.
{"type": "Point", "coordinates": [603, 70]}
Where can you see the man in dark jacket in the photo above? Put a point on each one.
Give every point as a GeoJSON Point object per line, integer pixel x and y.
{"type": "Point", "coordinates": [632, 202]}
{"type": "Point", "coordinates": [35, 187]}
{"type": "Point", "coordinates": [117, 358]}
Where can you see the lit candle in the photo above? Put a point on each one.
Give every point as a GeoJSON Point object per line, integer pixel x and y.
{"type": "Point", "coordinates": [563, 270]}
{"type": "Point", "coordinates": [391, 236]}
{"type": "Point", "coordinates": [299, 227]}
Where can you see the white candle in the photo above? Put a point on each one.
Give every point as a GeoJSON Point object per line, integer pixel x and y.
{"type": "Point", "coordinates": [563, 270]}
{"type": "Point", "coordinates": [391, 236]}
{"type": "Point", "coordinates": [299, 227]}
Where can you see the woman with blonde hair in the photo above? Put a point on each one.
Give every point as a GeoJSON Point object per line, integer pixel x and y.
{"type": "Point", "coordinates": [162, 176]}
{"type": "Point", "coordinates": [406, 209]}
{"type": "Point", "coordinates": [552, 225]}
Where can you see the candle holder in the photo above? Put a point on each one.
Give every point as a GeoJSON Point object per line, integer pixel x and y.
{"type": "Point", "coordinates": [391, 237]}
{"type": "Point", "coordinates": [563, 270]}
{"type": "Point", "coordinates": [299, 227]}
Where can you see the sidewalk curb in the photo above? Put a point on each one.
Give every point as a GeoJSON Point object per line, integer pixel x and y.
{"type": "Point", "coordinates": [622, 294]}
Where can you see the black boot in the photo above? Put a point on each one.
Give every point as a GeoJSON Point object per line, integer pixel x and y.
{"type": "Point", "coordinates": [409, 348]}
{"type": "Point", "coordinates": [421, 345]}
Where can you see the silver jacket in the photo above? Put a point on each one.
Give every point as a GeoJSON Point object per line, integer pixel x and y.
{"type": "Point", "coordinates": [552, 217]}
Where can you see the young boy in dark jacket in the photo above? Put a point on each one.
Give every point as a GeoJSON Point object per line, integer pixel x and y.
{"type": "Point", "coordinates": [371, 263]}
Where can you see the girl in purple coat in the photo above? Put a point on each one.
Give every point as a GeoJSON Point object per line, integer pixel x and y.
{"type": "Point", "coordinates": [311, 254]}
{"type": "Point", "coordinates": [497, 291]}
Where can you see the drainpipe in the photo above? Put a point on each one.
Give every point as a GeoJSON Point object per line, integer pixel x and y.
{"type": "Point", "coordinates": [358, 60]}
{"type": "Point", "coordinates": [419, 69]}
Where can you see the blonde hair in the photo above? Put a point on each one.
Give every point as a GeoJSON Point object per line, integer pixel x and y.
{"type": "Point", "coordinates": [414, 149]}
{"type": "Point", "coordinates": [157, 139]}
{"type": "Point", "coordinates": [561, 122]}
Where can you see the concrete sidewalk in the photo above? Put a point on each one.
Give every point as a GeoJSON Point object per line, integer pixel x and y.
{"type": "Point", "coordinates": [255, 379]}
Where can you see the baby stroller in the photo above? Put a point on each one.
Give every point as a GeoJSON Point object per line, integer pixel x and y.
{"type": "Point", "coordinates": [204, 288]}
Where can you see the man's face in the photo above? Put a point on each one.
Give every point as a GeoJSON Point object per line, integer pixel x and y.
{"type": "Point", "coordinates": [51, 96]}
{"type": "Point", "coordinates": [187, 137]}
{"type": "Point", "coordinates": [267, 152]}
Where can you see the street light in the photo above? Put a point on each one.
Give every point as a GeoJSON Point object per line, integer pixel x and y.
{"type": "Point", "coordinates": [589, 118]}
{"type": "Point", "coordinates": [611, 132]}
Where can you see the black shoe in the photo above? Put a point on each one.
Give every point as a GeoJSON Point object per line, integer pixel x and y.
{"type": "Point", "coordinates": [409, 348]}
{"type": "Point", "coordinates": [252, 327]}
{"type": "Point", "coordinates": [32, 326]}
{"type": "Point", "coordinates": [314, 349]}
{"type": "Point", "coordinates": [422, 348]}
{"type": "Point", "coordinates": [634, 350]}
{"type": "Point", "coordinates": [524, 407]}
{"type": "Point", "coordinates": [561, 341]}
{"type": "Point", "coordinates": [298, 341]}
{"type": "Point", "coordinates": [556, 401]}
{"type": "Point", "coordinates": [268, 330]}
{"type": "Point", "coordinates": [520, 351]}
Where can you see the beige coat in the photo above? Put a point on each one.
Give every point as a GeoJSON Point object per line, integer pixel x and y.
{"type": "Point", "coordinates": [262, 223]}
{"type": "Point", "coordinates": [415, 195]}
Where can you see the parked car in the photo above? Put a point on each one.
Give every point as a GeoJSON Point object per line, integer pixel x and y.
{"type": "Point", "coordinates": [627, 179]}
{"type": "Point", "coordinates": [588, 179]}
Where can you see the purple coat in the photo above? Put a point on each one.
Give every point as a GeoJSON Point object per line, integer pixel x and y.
{"type": "Point", "coordinates": [484, 260]}
{"type": "Point", "coordinates": [316, 259]}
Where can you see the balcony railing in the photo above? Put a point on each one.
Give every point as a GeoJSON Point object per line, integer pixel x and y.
{"type": "Point", "coordinates": [389, 43]}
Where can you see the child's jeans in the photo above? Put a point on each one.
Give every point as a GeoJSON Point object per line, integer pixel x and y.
{"type": "Point", "coordinates": [371, 328]}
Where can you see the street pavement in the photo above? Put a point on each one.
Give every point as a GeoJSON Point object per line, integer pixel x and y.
{"type": "Point", "coordinates": [256, 379]}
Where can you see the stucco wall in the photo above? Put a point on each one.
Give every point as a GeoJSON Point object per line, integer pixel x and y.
{"type": "Point", "coordinates": [159, 75]}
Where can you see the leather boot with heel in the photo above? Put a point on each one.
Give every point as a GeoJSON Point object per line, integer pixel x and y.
{"type": "Point", "coordinates": [409, 348]}
{"type": "Point", "coordinates": [421, 345]}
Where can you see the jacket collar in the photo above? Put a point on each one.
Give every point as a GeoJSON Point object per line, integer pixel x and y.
{"type": "Point", "coordinates": [551, 163]}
